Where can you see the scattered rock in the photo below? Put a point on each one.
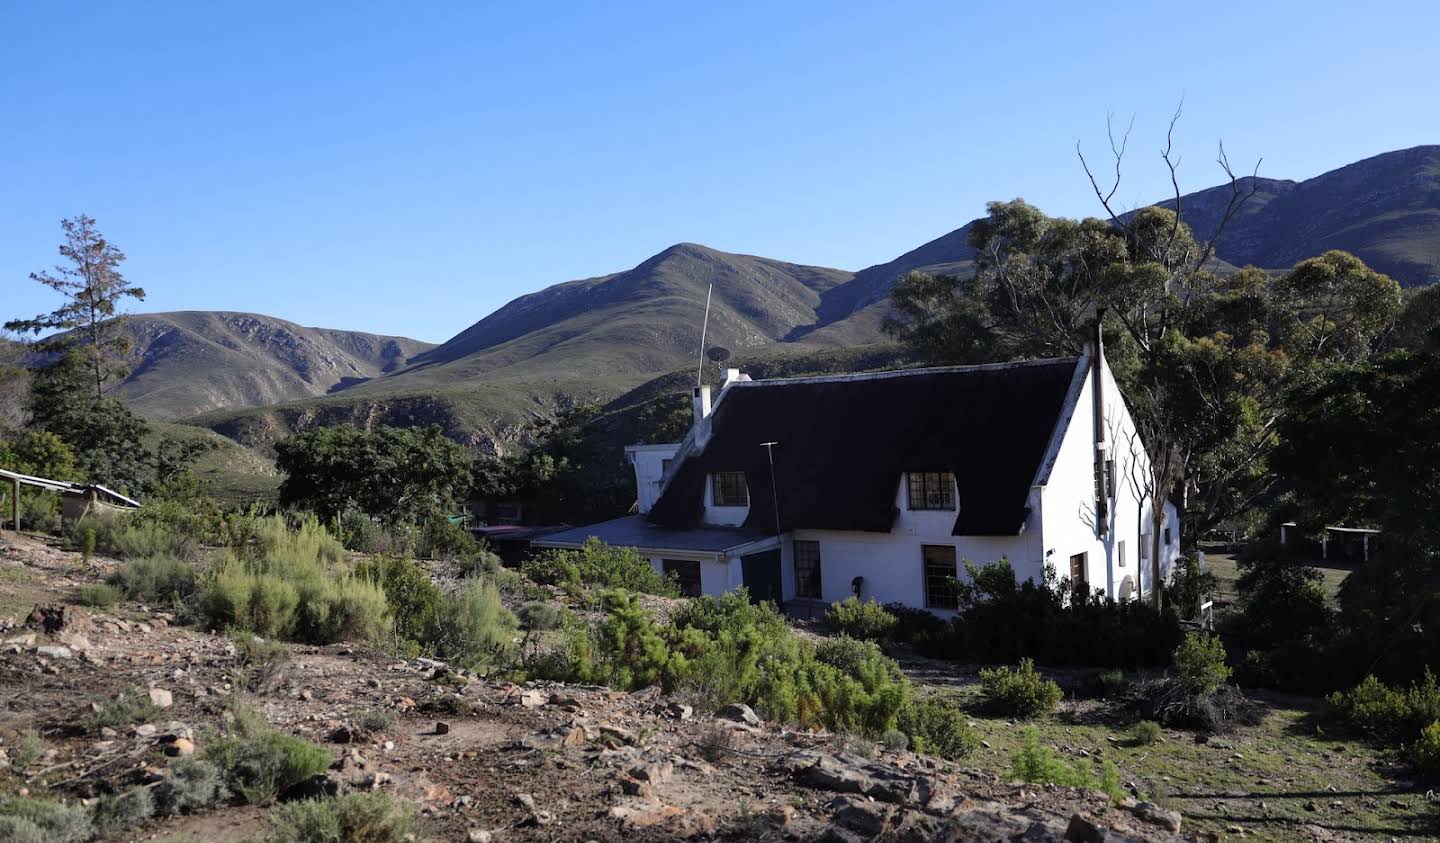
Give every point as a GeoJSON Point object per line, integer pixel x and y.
{"type": "Point", "coordinates": [533, 699]}
{"type": "Point", "coordinates": [1083, 829]}
{"type": "Point", "coordinates": [829, 773]}
{"type": "Point", "coordinates": [739, 713]}
{"type": "Point", "coordinates": [146, 730]}
{"type": "Point", "coordinates": [478, 835]}
{"type": "Point", "coordinates": [860, 815]}
{"type": "Point", "coordinates": [161, 697]}
{"type": "Point", "coordinates": [442, 728]}
{"type": "Point", "coordinates": [1150, 812]}
{"type": "Point", "coordinates": [54, 651]}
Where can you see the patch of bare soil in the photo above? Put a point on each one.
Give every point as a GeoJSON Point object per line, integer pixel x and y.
{"type": "Point", "coordinates": [479, 759]}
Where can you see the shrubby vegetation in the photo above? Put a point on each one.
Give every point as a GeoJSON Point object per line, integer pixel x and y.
{"type": "Point", "coordinates": [937, 726]}
{"type": "Point", "coordinates": [352, 818]}
{"type": "Point", "coordinates": [257, 761]}
{"type": "Point", "coordinates": [599, 564]}
{"type": "Point", "coordinates": [1002, 622]}
{"type": "Point", "coordinates": [868, 621]}
{"type": "Point", "coordinates": [1036, 763]}
{"type": "Point", "coordinates": [1021, 692]}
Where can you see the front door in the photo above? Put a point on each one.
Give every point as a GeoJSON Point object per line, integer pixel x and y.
{"type": "Point", "coordinates": [761, 573]}
{"type": "Point", "coordinates": [1077, 573]}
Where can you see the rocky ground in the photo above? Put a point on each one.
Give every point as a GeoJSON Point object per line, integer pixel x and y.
{"type": "Point", "coordinates": [481, 760]}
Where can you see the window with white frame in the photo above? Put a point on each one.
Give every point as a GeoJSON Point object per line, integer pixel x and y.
{"type": "Point", "coordinates": [728, 489]}
{"type": "Point", "coordinates": [932, 490]}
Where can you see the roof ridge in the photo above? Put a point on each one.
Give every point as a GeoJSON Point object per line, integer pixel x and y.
{"type": "Point", "coordinates": [897, 373]}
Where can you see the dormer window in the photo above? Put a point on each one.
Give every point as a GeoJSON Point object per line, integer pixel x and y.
{"type": "Point", "coordinates": [932, 490]}
{"type": "Point", "coordinates": [728, 489]}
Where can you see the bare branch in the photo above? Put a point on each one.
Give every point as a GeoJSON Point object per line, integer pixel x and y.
{"type": "Point", "coordinates": [1117, 150]}
{"type": "Point", "coordinates": [1173, 164]}
{"type": "Point", "coordinates": [1232, 207]}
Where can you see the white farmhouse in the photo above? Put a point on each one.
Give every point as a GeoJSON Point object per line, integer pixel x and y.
{"type": "Point", "coordinates": [808, 490]}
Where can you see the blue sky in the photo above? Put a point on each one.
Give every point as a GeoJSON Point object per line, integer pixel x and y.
{"type": "Point", "coordinates": [408, 168]}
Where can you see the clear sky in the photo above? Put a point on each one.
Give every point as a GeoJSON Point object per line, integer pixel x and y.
{"type": "Point", "coordinates": [409, 167]}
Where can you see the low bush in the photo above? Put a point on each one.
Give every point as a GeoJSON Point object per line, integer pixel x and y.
{"type": "Point", "coordinates": [378, 719]}
{"type": "Point", "coordinates": [1001, 622]}
{"type": "Point", "coordinates": [477, 632]}
{"type": "Point", "coordinates": [1425, 754]}
{"type": "Point", "coordinates": [914, 626]}
{"type": "Point", "coordinates": [157, 580]}
{"type": "Point", "coordinates": [56, 821]}
{"type": "Point", "coordinates": [1145, 733]}
{"type": "Point", "coordinates": [1035, 763]}
{"type": "Point", "coordinates": [1021, 692]}
{"type": "Point", "coordinates": [1391, 713]}
{"type": "Point", "coordinates": [599, 564]}
{"type": "Point", "coordinates": [98, 595]}
{"type": "Point", "coordinates": [127, 709]}
{"type": "Point", "coordinates": [1200, 664]}
{"type": "Point", "coordinates": [137, 539]}
{"type": "Point", "coordinates": [720, 650]}
{"type": "Point", "coordinates": [261, 661]}
{"type": "Point", "coordinates": [291, 585]}
{"type": "Point", "coordinates": [258, 761]}
{"type": "Point", "coordinates": [938, 727]}
{"type": "Point", "coordinates": [538, 616]}
{"type": "Point", "coordinates": [867, 621]}
{"type": "Point", "coordinates": [29, 749]}
{"type": "Point", "coordinates": [21, 830]}
{"type": "Point", "coordinates": [1189, 585]}
{"type": "Point", "coordinates": [119, 812]}
{"type": "Point", "coordinates": [190, 785]}
{"type": "Point", "coordinates": [418, 605]}
{"type": "Point", "coordinates": [352, 818]}
{"type": "Point", "coordinates": [895, 740]}
{"type": "Point", "coordinates": [1108, 683]}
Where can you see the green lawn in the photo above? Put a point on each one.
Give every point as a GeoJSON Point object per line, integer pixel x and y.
{"type": "Point", "coordinates": [1273, 780]}
{"type": "Point", "coordinates": [1225, 568]}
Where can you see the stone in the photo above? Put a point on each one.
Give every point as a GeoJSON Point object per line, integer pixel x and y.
{"type": "Point", "coordinates": [860, 815]}
{"type": "Point", "coordinates": [739, 713]}
{"type": "Point", "coordinates": [637, 787]}
{"type": "Point", "coordinates": [829, 773]}
{"type": "Point", "coordinates": [533, 699]}
{"type": "Point", "coordinates": [478, 835]}
{"type": "Point", "coordinates": [656, 773]}
{"type": "Point", "coordinates": [146, 730]}
{"type": "Point", "coordinates": [53, 651]}
{"type": "Point", "coordinates": [1150, 812]}
{"type": "Point", "coordinates": [442, 728]}
{"type": "Point", "coordinates": [1083, 829]}
{"type": "Point", "coordinates": [678, 711]}
{"type": "Point", "coordinates": [616, 733]}
{"type": "Point", "coordinates": [161, 697]}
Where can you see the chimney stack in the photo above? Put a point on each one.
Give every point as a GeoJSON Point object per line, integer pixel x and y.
{"type": "Point", "coordinates": [701, 403]}
{"type": "Point", "coordinates": [1102, 457]}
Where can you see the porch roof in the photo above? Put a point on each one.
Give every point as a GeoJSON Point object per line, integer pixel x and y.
{"type": "Point", "coordinates": [634, 531]}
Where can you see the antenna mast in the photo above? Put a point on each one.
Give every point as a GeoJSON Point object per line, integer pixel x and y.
{"type": "Point", "coordinates": [704, 326]}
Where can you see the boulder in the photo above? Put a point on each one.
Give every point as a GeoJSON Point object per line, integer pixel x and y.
{"type": "Point", "coordinates": [739, 713]}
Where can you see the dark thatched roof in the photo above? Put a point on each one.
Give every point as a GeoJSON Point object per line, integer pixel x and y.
{"type": "Point", "coordinates": [845, 442]}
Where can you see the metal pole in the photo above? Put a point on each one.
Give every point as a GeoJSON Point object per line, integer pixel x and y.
{"type": "Point", "coordinates": [15, 506]}
{"type": "Point", "coordinates": [704, 326]}
{"type": "Point", "coordinates": [774, 494]}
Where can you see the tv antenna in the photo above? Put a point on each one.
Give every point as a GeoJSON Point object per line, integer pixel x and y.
{"type": "Point", "coordinates": [704, 326]}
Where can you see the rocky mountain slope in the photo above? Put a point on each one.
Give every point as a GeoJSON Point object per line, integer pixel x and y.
{"type": "Point", "coordinates": [188, 362]}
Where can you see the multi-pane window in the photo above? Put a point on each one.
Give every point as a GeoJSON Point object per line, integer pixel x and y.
{"type": "Point", "coordinates": [932, 490]}
{"type": "Point", "coordinates": [807, 569]}
{"type": "Point", "coordinates": [1077, 572]}
{"type": "Point", "coordinates": [686, 573]}
{"type": "Point", "coordinates": [728, 488]}
{"type": "Point", "coordinates": [939, 576]}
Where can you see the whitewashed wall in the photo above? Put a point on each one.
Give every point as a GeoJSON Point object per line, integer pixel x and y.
{"type": "Point", "coordinates": [1067, 504]}
{"type": "Point", "coordinates": [649, 463]}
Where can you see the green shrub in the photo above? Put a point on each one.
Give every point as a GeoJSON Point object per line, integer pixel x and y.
{"type": "Point", "coordinates": [599, 564]}
{"type": "Point", "coordinates": [98, 595]}
{"type": "Point", "coordinates": [1021, 692]}
{"type": "Point", "coordinates": [257, 761]}
{"type": "Point", "coordinates": [157, 580]}
{"type": "Point", "coordinates": [1425, 754]}
{"type": "Point", "coordinates": [127, 709]}
{"type": "Point", "coordinates": [353, 818]}
{"type": "Point", "coordinates": [290, 584]}
{"type": "Point", "coordinates": [895, 740]}
{"type": "Point", "coordinates": [418, 605]}
{"type": "Point", "coordinates": [1002, 621]}
{"type": "Point", "coordinates": [1110, 683]}
{"type": "Point", "coordinates": [938, 726]}
{"type": "Point", "coordinates": [1200, 664]}
{"type": "Point", "coordinates": [261, 660]}
{"type": "Point", "coordinates": [477, 632]}
{"type": "Point", "coordinates": [914, 626]}
{"type": "Point", "coordinates": [190, 785]}
{"type": "Point", "coordinates": [138, 539]}
{"type": "Point", "coordinates": [59, 822]}
{"type": "Point", "coordinates": [1035, 763]}
{"type": "Point", "coordinates": [537, 616]}
{"type": "Point", "coordinates": [1145, 733]}
{"type": "Point", "coordinates": [378, 719]}
{"type": "Point", "coordinates": [867, 621]}
{"type": "Point", "coordinates": [1189, 585]}
{"type": "Point", "coordinates": [20, 830]}
{"type": "Point", "coordinates": [118, 812]}
{"type": "Point", "coordinates": [29, 749]}
{"type": "Point", "coordinates": [1391, 713]}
